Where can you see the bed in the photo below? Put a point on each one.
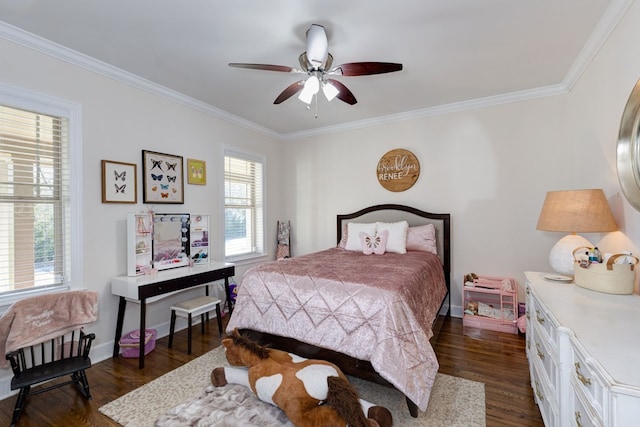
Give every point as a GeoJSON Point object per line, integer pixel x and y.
{"type": "Point", "coordinates": [372, 315]}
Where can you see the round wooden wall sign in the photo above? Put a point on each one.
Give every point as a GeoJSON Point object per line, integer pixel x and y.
{"type": "Point", "coordinates": [398, 170]}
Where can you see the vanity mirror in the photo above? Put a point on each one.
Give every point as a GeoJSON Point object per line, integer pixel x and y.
{"type": "Point", "coordinates": [628, 149]}
{"type": "Point", "coordinates": [170, 240]}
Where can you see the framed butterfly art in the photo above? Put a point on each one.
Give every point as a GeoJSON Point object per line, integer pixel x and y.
{"type": "Point", "coordinates": [196, 172]}
{"type": "Point", "coordinates": [162, 178]}
{"type": "Point", "coordinates": [119, 182]}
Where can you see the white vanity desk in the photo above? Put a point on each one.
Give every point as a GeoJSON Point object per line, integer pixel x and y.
{"type": "Point", "coordinates": [145, 288]}
{"type": "Point", "coordinates": [584, 354]}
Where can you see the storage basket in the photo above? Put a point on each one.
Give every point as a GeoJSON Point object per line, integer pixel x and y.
{"type": "Point", "coordinates": [609, 277]}
{"type": "Point", "coordinates": [130, 343]}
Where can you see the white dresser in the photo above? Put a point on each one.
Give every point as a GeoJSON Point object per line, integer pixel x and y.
{"type": "Point", "coordinates": [584, 354]}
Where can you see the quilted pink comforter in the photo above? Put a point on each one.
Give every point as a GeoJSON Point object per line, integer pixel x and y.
{"type": "Point", "coordinates": [372, 307]}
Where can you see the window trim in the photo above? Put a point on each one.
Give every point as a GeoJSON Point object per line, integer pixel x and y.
{"type": "Point", "coordinates": [227, 150]}
{"type": "Point", "coordinates": [25, 99]}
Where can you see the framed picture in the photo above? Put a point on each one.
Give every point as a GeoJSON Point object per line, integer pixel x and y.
{"type": "Point", "coordinates": [196, 172]}
{"type": "Point", "coordinates": [119, 182]}
{"type": "Point", "coordinates": [162, 178]}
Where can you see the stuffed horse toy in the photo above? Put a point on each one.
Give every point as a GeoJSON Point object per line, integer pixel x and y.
{"type": "Point", "coordinates": [312, 393]}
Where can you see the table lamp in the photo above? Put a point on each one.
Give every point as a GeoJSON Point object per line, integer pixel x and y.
{"type": "Point", "coordinates": [574, 211]}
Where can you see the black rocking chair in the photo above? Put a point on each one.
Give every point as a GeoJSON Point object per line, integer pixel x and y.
{"type": "Point", "coordinates": [64, 355]}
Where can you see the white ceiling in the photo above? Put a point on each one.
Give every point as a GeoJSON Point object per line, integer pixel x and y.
{"type": "Point", "coordinates": [456, 53]}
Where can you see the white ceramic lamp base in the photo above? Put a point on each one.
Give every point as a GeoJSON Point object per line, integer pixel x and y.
{"type": "Point", "coordinates": [561, 255]}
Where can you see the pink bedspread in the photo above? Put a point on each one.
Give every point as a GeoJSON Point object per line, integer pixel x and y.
{"type": "Point", "coordinates": [372, 307]}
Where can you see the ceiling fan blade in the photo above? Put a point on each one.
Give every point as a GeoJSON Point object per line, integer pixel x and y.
{"type": "Point", "coordinates": [317, 46]}
{"type": "Point", "coordinates": [267, 67]}
{"type": "Point", "coordinates": [291, 90]}
{"type": "Point", "coordinates": [366, 68]}
{"type": "Point", "coordinates": [344, 94]}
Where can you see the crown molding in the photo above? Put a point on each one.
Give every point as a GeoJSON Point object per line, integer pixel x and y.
{"type": "Point", "coordinates": [608, 22]}
{"type": "Point", "coordinates": [86, 62]}
{"type": "Point", "coordinates": [439, 110]}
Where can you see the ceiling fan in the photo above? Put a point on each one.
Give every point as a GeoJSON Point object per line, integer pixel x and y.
{"type": "Point", "coordinates": [317, 63]}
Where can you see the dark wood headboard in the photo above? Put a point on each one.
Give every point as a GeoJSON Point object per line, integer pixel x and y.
{"type": "Point", "coordinates": [415, 217]}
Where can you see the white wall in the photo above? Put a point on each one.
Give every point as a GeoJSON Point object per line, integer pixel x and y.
{"type": "Point", "coordinates": [490, 168]}
{"type": "Point", "coordinates": [119, 122]}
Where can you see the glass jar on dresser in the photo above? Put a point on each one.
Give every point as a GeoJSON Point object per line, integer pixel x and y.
{"type": "Point", "coordinates": [583, 349]}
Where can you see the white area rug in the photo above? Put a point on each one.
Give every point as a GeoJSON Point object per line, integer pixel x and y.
{"type": "Point", "coordinates": [185, 397]}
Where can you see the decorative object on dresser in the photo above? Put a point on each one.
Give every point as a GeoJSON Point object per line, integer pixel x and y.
{"type": "Point", "coordinates": [615, 276]}
{"type": "Point", "coordinates": [583, 353]}
{"type": "Point", "coordinates": [490, 303]}
{"type": "Point", "coordinates": [574, 211]}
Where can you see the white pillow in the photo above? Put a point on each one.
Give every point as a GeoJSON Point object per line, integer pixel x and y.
{"type": "Point", "coordinates": [353, 234]}
{"type": "Point", "coordinates": [397, 241]}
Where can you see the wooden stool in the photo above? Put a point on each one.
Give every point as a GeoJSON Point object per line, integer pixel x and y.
{"type": "Point", "coordinates": [193, 307]}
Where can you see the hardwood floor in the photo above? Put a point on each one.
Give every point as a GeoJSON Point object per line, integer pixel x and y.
{"type": "Point", "coordinates": [494, 358]}
{"type": "Point", "coordinates": [499, 361]}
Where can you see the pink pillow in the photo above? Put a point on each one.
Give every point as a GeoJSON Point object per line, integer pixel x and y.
{"type": "Point", "coordinates": [343, 240]}
{"type": "Point", "coordinates": [422, 238]}
{"type": "Point", "coordinates": [374, 245]}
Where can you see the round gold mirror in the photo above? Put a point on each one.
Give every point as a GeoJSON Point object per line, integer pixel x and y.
{"type": "Point", "coordinates": [628, 149]}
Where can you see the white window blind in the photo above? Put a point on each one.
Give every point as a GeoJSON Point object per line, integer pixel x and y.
{"type": "Point", "coordinates": [34, 200]}
{"type": "Point", "coordinates": [243, 192]}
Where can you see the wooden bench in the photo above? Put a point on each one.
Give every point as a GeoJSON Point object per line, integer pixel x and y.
{"type": "Point", "coordinates": [65, 355]}
{"type": "Point", "coordinates": [193, 307]}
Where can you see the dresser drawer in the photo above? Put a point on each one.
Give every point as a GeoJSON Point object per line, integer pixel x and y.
{"type": "Point", "coordinates": [586, 379]}
{"type": "Point", "coordinates": [543, 396]}
{"type": "Point", "coordinates": [582, 414]}
{"type": "Point", "coordinates": [547, 360]}
{"type": "Point", "coordinates": [539, 315]}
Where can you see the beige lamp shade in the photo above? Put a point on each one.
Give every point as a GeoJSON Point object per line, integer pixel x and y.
{"type": "Point", "coordinates": [574, 211]}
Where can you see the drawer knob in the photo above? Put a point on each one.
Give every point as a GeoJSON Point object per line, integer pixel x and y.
{"type": "Point", "coordinates": [540, 353]}
{"type": "Point", "coordinates": [528, 290]}
{"type": "Point", "coordinates": [584, 380]}
{"type": "Point", "coordinates": [578, 418]}
{"type": "Point", "coordinates": [528, 315]}
{"type": "Point", "coordinates": [539, 318]}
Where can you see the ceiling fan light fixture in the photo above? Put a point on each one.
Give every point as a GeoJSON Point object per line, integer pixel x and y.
{"type": "Point", "coordinates": [317, 46]}
{"type": "Point", "coordinates": [330, 91]}
{"type": "Point", "coordinates": [311, 87]}
{"type": "Point", "coordinates": [317, 63]}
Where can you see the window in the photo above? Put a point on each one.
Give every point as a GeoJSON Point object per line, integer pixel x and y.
{"type": "Point", "coordinates": [243, 206]}
{"type": "Point", "coordinates": [35, 196]}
